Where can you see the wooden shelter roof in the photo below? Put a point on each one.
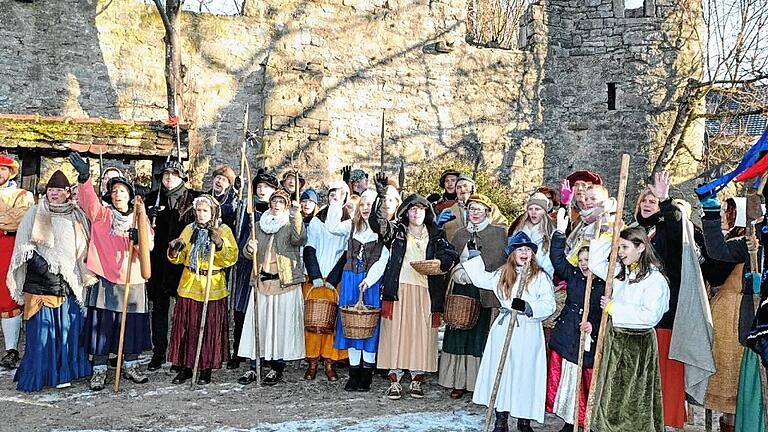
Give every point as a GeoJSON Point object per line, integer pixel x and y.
{"type": "Point", "coordinates": [111, 138]}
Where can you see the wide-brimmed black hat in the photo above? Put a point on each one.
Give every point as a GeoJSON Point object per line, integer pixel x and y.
{"type": "Point", "coordinates": [119, 180]}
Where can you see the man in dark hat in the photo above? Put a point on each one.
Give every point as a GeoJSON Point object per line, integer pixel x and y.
{"type": "Point", "coordinates": [14, 203]}
{"type": "Point", "coordinates": [448, 183]}
{"type": "Point", "coordinates": [454, 218]}
{"type": "Point", "coordinates": [173, 212]}
{"type": "Point", "coordinates": [288, 183]}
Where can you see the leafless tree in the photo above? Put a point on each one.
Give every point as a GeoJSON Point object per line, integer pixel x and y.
{"type": "Point", "coordinates": [495, 23]}
{"type": "Point", "coordinates": [170, 13]}
{"type": "Point", "coordinates": [735, 74]}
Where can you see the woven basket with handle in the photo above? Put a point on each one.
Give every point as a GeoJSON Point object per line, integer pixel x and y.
{"type": "Point", "coordinates": [320, 314]}
{"type": "Point", "coordinates": [359, 321]}
{"type": "Point", "coordinates": [460, 311]}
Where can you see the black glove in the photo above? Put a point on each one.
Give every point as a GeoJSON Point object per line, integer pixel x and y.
{"type": "Point", "coordinates": [153, 211]}
{"type": "Point", "coordinates": [345, 173]}
{"type": "Point", "coordinates": [215, 235]}
{"type": "Point", "coordinates": [238, 183]}
{"type": "Point", "coordinates": [82, 166]}
{"type": "Point", "coordinates": [176, 246]}
{"type": "Point", "coordinates": [434, 197]}
{"type": "Point", "coordinates": [381, 184]}
{"type": "Point", "coordinates": [133, 235]}
{"type": "Point", "coordinates": [518, 304]}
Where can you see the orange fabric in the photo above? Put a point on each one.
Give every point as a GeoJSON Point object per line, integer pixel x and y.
{"type": "Point", "coordinates": [672, 383]}
{"type": "Point", "coordinates": [321, 345]}
{"type": "Point", "coordinates": [34, 302]}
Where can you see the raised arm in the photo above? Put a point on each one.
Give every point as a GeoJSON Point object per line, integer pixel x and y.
{"type": "Point", "coordinates": [557, 255]}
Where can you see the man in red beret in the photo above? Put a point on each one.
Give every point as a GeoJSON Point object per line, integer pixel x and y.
{"type": "Point", "coordinates": [14, 203]}
{"type": "Point", "coordinates": [573, 191]}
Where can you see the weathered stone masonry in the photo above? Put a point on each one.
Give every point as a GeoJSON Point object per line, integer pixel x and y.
{"type": "Point", "coordinates": [318, 74]}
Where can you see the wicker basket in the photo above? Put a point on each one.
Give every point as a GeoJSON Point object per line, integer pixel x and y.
{"type": "Point", "coordinates": [460, 311]}
{"type": "Point", "coordinates": [320, 314]}
{"type": "Point", "coordinates": [427, 267]}
{"type": "Point", "coordinates": [359, 321]}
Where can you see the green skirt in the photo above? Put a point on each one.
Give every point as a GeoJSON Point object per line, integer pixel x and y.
{"type": "Point", "coordinates": [468, 342]}
{"type": "Point", "coordinates": [749, 399]}
{"type": "Point", "coordinates": [628, 394]}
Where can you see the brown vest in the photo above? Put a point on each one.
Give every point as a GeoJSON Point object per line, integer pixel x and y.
{"type": "Point", "coordinates": [366, 253]}
{"type": "Point", "coordinates": [491, 242]}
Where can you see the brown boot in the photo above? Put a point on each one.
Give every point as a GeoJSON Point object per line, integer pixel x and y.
{"type": "Point", "coordinates": [312, 369]}
{"type": "Point", "coordinates": [330, 372]}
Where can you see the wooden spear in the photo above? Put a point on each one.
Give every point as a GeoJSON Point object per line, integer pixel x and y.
{"type": "Point", "coordinates": [126, 291]}
{"type": "Point", "coordinates": [505, 349]}
{"type": "Point", "coordinates": [583, 336]}
{"type": "Point", "coordinates": [617, 225]}
{"type": "Point", "coordinates": [254, 273]}
{"type": "Point", "coordinates": [208, 280]}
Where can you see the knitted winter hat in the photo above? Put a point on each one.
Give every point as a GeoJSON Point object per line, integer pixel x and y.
{"type": "Point", "coordinates": [11, 163]}
{"type": "Point", "coordinates": [280, 194]}
{"type": "Point", "coordinates": [225, 171]}
{"type": "Point", "coordinates": [464, 177]}
{"type": "Point", "coordinates": [58, 180]}
{"type": "Point", "coordinates": [540, 200]}
{"type": "Point", "coordinates": [357, 174]}
{"type": "Point", "coordinates": [311, 195]}
{"type": "Point", "coordinates": [173, 166]}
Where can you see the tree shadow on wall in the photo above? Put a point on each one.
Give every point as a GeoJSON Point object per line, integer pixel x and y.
{"type": "Point", "coordinates": [56, 63]}
{"type": "Point", "coordinates": [256, 84]}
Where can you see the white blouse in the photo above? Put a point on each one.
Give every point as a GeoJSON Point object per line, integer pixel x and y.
{"type": "Point", "coordinates": [337, 227]}
{"type": "Point", "coordinates": [636, 305]}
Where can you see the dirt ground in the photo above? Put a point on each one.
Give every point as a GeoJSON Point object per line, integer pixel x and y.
{"type": "Point", "coordinates": [294, 405]}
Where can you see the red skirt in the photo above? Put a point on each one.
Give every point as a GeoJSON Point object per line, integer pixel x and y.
{"type": "Point", "coordinates": [186, 329]}
{"type": "Point", "coordinates": [672, 383]}
{"type": "Point", "coordinates": [554, 385]}
{"type": "Point", "coordinates": [8, 307]}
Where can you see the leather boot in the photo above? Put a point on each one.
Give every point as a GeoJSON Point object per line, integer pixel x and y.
{"type": "Point", "coordinates": [330, 372]}
{"type": "Point", "coordinates": [524, 425]}
{"type": "Point", "coordinates": [354, 378]}
{"type": "Point", "coordinates": [502, 422]}
{"type": "Point", "coordinates": [312, 369]}
{"type": "Point", "coordinates": [366, 376]}
{"type": "Point", "coordinates": [204, 377]}
{"type": "Point", "coordinates": [567, 428]}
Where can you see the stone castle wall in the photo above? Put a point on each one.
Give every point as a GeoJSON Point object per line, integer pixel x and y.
{"type": "Point", "coordinates": [317, 76]}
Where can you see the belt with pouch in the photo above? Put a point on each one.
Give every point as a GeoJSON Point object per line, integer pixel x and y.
{"type": "Point", "coordinates": [204, 272]}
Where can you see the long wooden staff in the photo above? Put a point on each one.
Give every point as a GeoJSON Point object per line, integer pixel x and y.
{"type": "Point", "coordinates": [505, 350]}
{"type": "Point", "coordinates": [617, 225]}
{"type": "Point", "coordinates": [582, 335]}
{"type": "Point", "coordinates": [753, 212]}
{"type": "Point", "coordinates": [126, 291]}
{"type": "Point", "coordinates": [208, 280]}
{"type": "Point", "coordinates": [254, 273]}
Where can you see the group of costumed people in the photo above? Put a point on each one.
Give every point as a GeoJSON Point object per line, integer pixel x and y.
{"type": "Point", "coordinates": [64, 270]}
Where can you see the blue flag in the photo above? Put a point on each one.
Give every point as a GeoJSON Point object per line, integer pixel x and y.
{"type": "Point", "coordinates": [749, 159]}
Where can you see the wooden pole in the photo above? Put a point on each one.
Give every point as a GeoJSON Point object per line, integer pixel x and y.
{"type": "Point", "coordinates": [582, 341]}
{"type": "Point", "coordinates": [254, 273]}
{"type": "Point", "coordinates": [124, 314]}
{"type": "Point", "coordinates": [203, 317]}
{"type": "Point", "coordinates": [617, 225]}
{"type": "Point", "coordinates": [505, 349]}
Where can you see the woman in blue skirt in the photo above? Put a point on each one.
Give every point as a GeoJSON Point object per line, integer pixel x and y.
{"type": "Point", "coordinates": [48, 276]}
{"type": "Point", "coordinates": [366, 258]}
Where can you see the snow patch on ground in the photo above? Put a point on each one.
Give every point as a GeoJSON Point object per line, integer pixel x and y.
{"type": "Point", "coordinates": [412, 422]}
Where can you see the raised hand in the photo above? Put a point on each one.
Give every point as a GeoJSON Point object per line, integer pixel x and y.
{"type": "Point", "coordinates": [660, 187]}
{"type": "Point", "coordinates": [381, 184]}
{"type": "Point", "coordinates": [82, 166]}
{"type": "Point", "coordinates": [566, 193]}
{"type": "Point", "coordinates": [345, 172]}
